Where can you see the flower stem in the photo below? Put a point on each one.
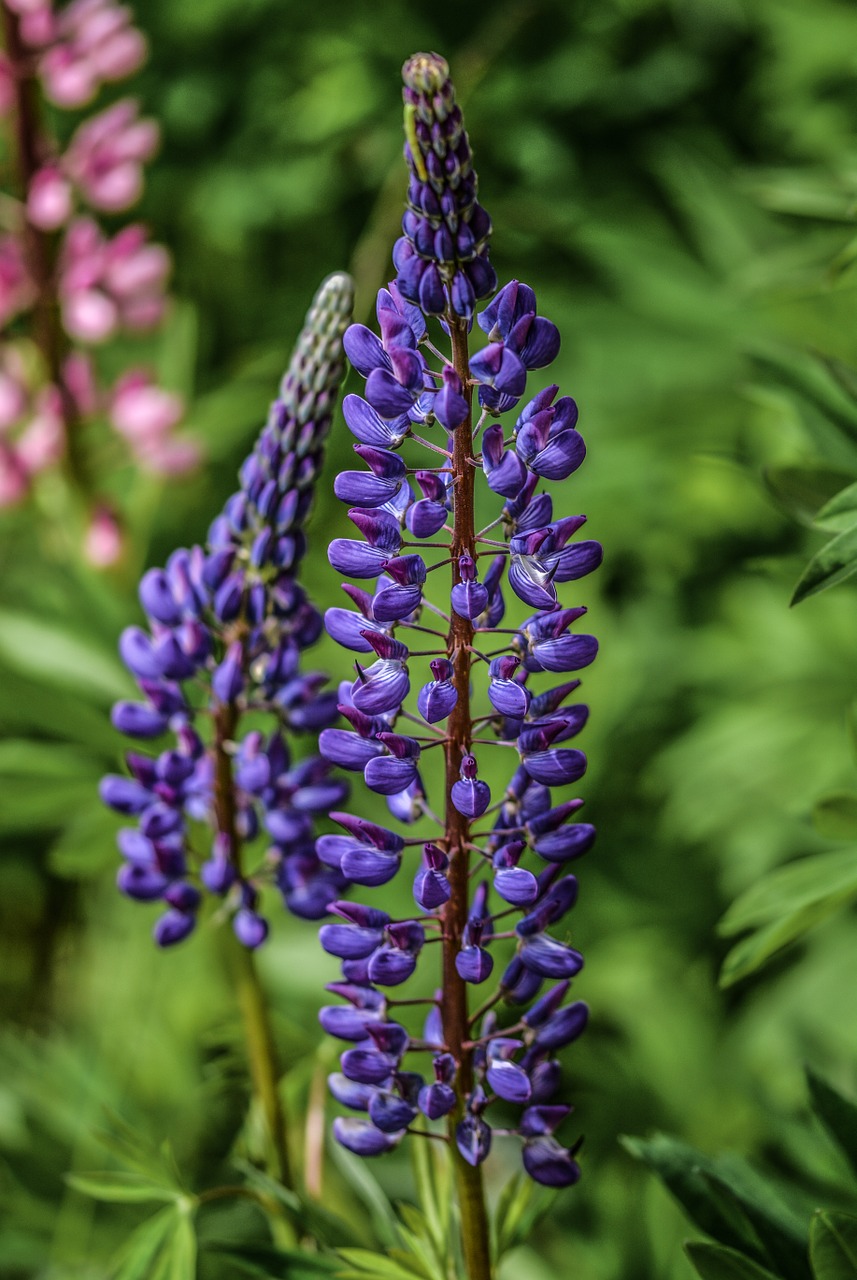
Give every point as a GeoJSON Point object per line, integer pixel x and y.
{"type": "Point", "coordinates": [38, 247]}
{"type": "Point", "coordinates": [469, 1185]}
{"type": "Point", "coordinates": [259, 1037]}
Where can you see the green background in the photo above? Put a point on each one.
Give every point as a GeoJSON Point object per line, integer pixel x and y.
{"type": "Point", "coordinates": [674, 180]}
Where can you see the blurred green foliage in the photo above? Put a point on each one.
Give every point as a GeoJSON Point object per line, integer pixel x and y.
{"type": "Point", "coordinates": [674, 178]}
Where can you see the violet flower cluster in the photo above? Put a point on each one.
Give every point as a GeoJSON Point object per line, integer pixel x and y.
{"type": "Point", "coordinates": [219, 668]}
{"type": "Point", "coordinates": [491, 857]}
{"type": "Point", "coordinates": [66, 285]}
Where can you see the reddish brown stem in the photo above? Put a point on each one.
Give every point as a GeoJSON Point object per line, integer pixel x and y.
{"type": "Point", "coordinates": [471, 1195]}
{"type": "Point", "coordinates": [39, 246]}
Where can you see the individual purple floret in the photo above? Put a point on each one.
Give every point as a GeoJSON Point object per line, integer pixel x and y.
{"type": "Point", "coordinates": [232, 618]}
{"type": "Point", "coordinates": [451, 673]}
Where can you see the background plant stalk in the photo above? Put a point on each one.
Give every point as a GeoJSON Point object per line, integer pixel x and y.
{"type": "Point", "coordinates": [48, 333]}
{"type": "Point", "coordinates": [259, 1037]}
{"type": "Point", "coordinates": [469, 1184]}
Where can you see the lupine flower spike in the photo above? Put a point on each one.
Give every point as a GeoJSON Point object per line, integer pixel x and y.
{"type": "Point", "coordinates": [231, 619]}
{"type": "Point", "coordinates": [66, 287]}
{"type": "Point", "coordinates": [494, 1071]}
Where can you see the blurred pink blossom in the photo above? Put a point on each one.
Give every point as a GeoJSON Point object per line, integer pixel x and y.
{"type": "Point", "coordinates": [103, 542]}
{"type": "Point", "coordinates": [13, 479]}
{"type": "Point", "coordinates": [110, 284]}
{"type": "Point", "coordinates": [42, 441]}
{"type": "Point", "coordinates": [49, 199]}
{"type": "Point", "coordinates": [92, 42]}
{"type": "Point", "coordinates": [106, 155]}
{"type": "Point", "coordinates": [17, 291]}
{"type": "Point", "coordinates": [146, 415]}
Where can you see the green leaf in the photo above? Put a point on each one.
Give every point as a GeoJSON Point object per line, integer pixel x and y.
{"type": "Point", "coordinates": [121, 1187]}
{"type": "Point", "coordinates": [728, 1201]}
{"type": "Point", "coordinates": [716, 1262]}
{"type": "Point", "coordinates": [40, 649]}
{"type": "Point", "coordinates": [273, 1264]}
{"type": "Point", "coordinates": [367, 1189]}
{"type": "Point", "coordinates": [832, 565]}
{"type": "Point", "coordinates": [803, 490]}
{"type": "Point", "coordinates": [837, 1113]}
{"type": "Point", "coordinates": [134, 1260]}
{"type": "Point", "coordinates": [835, 816]}
{"type": "Point", "coordinates": [833, 1245]}
{"type": "Point", "coordinates": [178, 1255]}
{"type": "Point", "coordinates": [840, 512]}
{"type": "Point", "coordinates": [378, 1265]}
{"type": "Point", "coordinates": [785, 905]}
{"type": "Point", "coordinates": [805, 375]}
{"type": "Point", "coordinates": [790, 888]}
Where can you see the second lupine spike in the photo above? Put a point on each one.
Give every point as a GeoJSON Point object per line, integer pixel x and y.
{"type": "Point", "coordinates": [472, 699]}
{"type": "Point", "coordinates": [234, 616]}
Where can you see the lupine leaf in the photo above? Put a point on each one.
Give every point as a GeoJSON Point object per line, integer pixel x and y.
{"type": "Point", "coordinates": [833, 1245]}
{"type": "Point", "coordinates": [832, 565]}
{"type": "Point", "coordinates": [421, 1159]}
{"type": "Point", "coordinates": [728, 1201]}
{"type": "Point", "coordinates": [840, 511]}
{"type": "Point", "coordinates": [787, 889]}
{"type": "Point", "coordinates": [835, 816]}
{"type": "Point", "coordinates": [783, 906]}
{"type": "Point", "coordinates": [837, 1113]}
{"type": "Point", "coordinates": [178, 1256]}
{"type": "Point", "coordinates": [803, 490]}
{"type": "Point", "coordinates": [805, 375]}
{"type": "Point", "coordinates": [376, 1265]}
{"type": "Point", "coordinates": [717, 1262]}
{"type": "Point", "coordinates": [367, 1189]}
{"type": "Point", "coordinates": [134, 1260]}
{"type": "Point", "coordinates": [120, 1187]}
{"type": "Point", "coordinates": [274, 1264]}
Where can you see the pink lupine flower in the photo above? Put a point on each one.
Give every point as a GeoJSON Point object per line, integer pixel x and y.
{"type": "Point", "coordinates": [141, 411]}
{"type": "Point", "coordinates": [146, 415]}
{"type": "Point", "coordinates": [95, 43]}
{"type": "Point", "coordinates": [103, 542]}
{"type": "Point", "coordinates": [7, 86]}
{"type": "Point", "coordinates": [106, 156]}
{"type": "Point", "coordinates": [107, 284]}
{"type": "Point", "coordinates": [13, 392]}
{"type": "Point", "coordinates": [79, 381]}
{"type": "Point", "coordinates": [13, 479]}
{"type": "Point", "coordinates": [42, 441]}
{"type": "Point", "coordinates": [49, 199]}
{"type": "Point", "coordinates": [16, 287]}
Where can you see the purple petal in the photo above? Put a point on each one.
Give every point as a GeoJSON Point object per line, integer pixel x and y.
{"type": "Point", "coordinates": [370, 428]}
{"type": "Point", "coordinates": [549, 1163]}
{"type": "Point", "coordinates": [470, 796]}
{"type": "Point", "coordinates": [348, 750]}
{"type": "Point", "coordinates": [509, 1081]}
{"type": "Point", "coordinates": [473, 1139]}
{"type": "Point", "coordinates": [363, 1138]}
{"type": "Point", "coordinates": [364, 349]}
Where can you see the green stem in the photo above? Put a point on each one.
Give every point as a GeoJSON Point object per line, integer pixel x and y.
{"type": "Point", "coordinates": [469, 1186]}
{"type": "Point", "coordinates": [259, 1037]}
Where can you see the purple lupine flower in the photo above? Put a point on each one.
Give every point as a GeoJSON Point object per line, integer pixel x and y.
{"type": "Point", "coordinates": [233, 616]}
{"type": "Point", "coordinates": [442, 258]}
{"type": "Point", "coordinates": [467, 700]}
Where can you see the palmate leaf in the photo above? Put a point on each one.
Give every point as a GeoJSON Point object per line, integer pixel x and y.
{"type": "Point", "coordinates": [833, 1245]}
{"type": "Point", "coordinates": [50, 654]}
{"type": "Point", "coordinates": [121, 1187]}
{"type": "Point", "coordinates": [368, 1265]}
{"type": "Point", "coordinates": [784, 905]}
{"type": "Point", "coordinates": [717, 1262]}
{"type": "Point", "coordinates": [273, 1264]}
{"type": "Point", "coordinates": [804, 490]}
{"type": "Point", "coordinates": [830, 566]}
{"type": "Point", "coordinates": [840, 511]}
{"type": "Point", "coordinates": [837, 1113]}
{"type": "Point", "coordinates": [137, 1255]}
{"type": "Point", "coordinates": [730, 1202]}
